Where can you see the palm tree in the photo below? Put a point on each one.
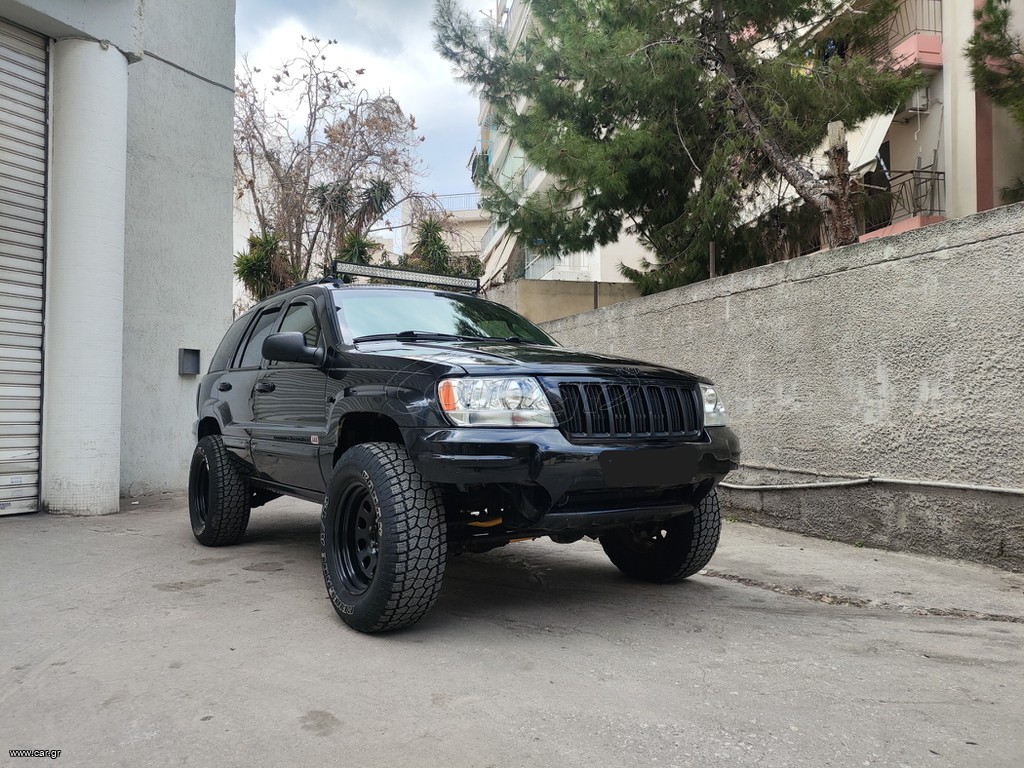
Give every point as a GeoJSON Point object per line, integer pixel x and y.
{"type": "Point", "coordinates": [430, 248]}
{"type": "Point", "coordinates": [260, 266]}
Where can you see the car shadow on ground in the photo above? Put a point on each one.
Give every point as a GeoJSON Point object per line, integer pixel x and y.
{"type": "Point", "coordinates": [529, 584]}
{"type": "Point", "coordinates": [538, 579]}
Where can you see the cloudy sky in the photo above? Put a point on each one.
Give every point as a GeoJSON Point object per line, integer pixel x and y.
{"type": "Point", "coordinates": [392, 40]}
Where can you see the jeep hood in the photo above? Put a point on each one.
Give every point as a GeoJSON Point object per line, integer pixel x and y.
{"type": "Point", "coordinates": [505, 358]}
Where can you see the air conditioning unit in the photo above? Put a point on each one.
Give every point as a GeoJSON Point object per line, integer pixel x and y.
{"type": "Point", "coordinates": [917, 104]}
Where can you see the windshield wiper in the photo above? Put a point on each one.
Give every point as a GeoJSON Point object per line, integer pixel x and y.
{"type": "Point", "coordinates": [436, 336]}
{"type": "Point", "coordinates": [411, 336]}
{"type": "Point", "coordinates": [507, 339]}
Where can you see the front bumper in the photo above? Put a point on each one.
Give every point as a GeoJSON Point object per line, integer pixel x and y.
{"type": "Point", "coordinates": [574, 481]}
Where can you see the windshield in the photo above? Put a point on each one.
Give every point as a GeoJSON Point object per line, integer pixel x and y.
{"type": "Point", "coordinates": [382, 312]}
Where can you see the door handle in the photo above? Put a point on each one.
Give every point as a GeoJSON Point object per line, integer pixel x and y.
{"type": "Point", "coordinates": [224, 386]}
{"type": "Point", "coordinates": [265, 386]}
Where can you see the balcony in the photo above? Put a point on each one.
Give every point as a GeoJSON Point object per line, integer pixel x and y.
{"type": "Point", "coordinates": [914, 35]}
{"type": "Point", "coordinates": [455, 203]}
{"type": "Point", "coordinates": [906, 200]}
{"type": "Point", "coordinates": [887, 203]}
{"type": "Point", "coordinates": [491, 236]}
{"type": "Point", "coordinates": [516, 15]}
{"type": "Point", "coordinates": [571, 266]}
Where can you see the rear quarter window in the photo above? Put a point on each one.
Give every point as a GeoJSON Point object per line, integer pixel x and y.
{"type": "Point", "coordinates": [222, 357]}
{"type": "Point", "coordinates": [252, 355]}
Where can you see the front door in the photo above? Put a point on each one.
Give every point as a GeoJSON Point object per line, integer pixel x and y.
{"type": "Point", "coordinates": [233, 389]}
{"type": "Point", "coordinates": [290, 409]}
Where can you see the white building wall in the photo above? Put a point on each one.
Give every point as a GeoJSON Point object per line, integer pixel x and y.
{"type": "Point", "coordinates": [176, 238]}
{"type": "Point", "coordinates": [920, 135]}
{"type": "Point", "coordinates": [958, 96]}
{"type": "Point", "coordinates": [120, 22]}
{"type": "Point", "coordinates": [178, 276]}
{"type": "Point", "coordinates": [85, 258]}
{"type": "Point", "coordinates": [626, 250]}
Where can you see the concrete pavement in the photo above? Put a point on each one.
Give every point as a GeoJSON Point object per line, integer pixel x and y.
{"type": "Point", "coordinates": [125, 643]}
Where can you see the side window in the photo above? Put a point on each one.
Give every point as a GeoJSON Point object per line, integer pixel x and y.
{"type": "Point", "coordinates": [254, 346]}
{"type": "Point", "coordinates": [300, 317]}
{"type": "Point", "coordinates": [226, 350]}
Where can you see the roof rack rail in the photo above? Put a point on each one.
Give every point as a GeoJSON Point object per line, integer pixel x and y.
{"type": "Point", "coordinates": [392, 274]}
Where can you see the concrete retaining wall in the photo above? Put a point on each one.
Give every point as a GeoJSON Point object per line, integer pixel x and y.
{"type": "Point", "coordinates": [899, 358]}
{"type": "Point", "coordinates": [543, 300]}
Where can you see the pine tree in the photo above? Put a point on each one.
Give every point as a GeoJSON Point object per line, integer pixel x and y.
{"type": "Point", "coordinates": [665, 118]}
{"type": "Point", "coordinates": [996, 56]}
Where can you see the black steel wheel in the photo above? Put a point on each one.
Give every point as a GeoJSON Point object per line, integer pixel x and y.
{"type": "Point", "coordinates": [670, 550]}
{"type": "Point", "coordinates": [358, 539]}
{"type": "Point", "coordinates": [218, 495]}
{"type": "Point", "coordinates": [383, 539]}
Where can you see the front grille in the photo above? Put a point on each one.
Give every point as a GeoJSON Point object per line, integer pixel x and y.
{"type": "Point", "coordinates": [607, 410]}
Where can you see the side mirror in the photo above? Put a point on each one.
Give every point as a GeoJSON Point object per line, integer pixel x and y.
{"type": "Point", "coordinates": [290, 347]}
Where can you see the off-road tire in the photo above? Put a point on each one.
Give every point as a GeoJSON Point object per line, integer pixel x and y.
{"type": "Point", "coordinates": [667, 551]}
{"type": "Point", "coordinates": [218, 495]}
{"type": "Point", "coordinates": [383, 539]}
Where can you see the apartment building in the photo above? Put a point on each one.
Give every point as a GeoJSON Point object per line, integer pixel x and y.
{"type": "Point", "coordinates": [946, 152]}
{"type": "Point", "coordinates": [465, 222]}
{"type": "Point", "coordinates": [115, 242]}
{"type": "Point", "coordinates": [504, 256]}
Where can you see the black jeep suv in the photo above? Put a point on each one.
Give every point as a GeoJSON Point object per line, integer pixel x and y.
{"type": "Point", "coordinates": [429, 423]}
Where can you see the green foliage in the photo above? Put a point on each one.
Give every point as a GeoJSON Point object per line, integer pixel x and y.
{"type": "Point", "coordinates": [261, 265]}
{"type": "Point", "coordinates": [996, 58]}
{"type": "Point", "coordinates": [432, 253]}
{"type": "Point", "coordinates": [356, 249]}
{"type": "Point", "coordinates": [1013, 193]}
{"type": "Point", "coordinates": [430, 248]}
{"type": "Point", "coordinates": [666, 119]}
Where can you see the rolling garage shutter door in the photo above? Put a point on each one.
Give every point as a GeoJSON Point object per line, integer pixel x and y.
{"type": "Point", "coordinates": [23, 69]}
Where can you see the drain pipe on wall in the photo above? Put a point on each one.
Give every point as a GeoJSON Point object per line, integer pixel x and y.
{"type": "Point", "coordinates": [871, 480]}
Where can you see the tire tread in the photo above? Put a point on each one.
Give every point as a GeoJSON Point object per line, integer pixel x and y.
{"type": "Point", "coordinates": [418, 533]}
{"type": "Point", "coordinates": [227, 515]}
{"type": "Point", "coordinates": [679, 555]}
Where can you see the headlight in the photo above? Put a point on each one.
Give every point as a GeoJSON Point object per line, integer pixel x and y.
{"type": "Point", "coordinates": [714, 408]}
{"type": "Point", "coordinates": [495, 402]}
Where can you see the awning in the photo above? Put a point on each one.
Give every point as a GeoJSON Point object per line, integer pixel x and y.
{"type": "Point", "coordinates": [866, 139]}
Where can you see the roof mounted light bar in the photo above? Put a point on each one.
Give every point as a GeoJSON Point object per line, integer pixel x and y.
{"type": "Point", "coordinates": [405, 276]}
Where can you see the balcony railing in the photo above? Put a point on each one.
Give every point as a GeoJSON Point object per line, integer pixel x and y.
{"type": "Point", "coordinates": [885, 199]}
{"type": "Point", "coordinates": [570, 266]}
{"type": "Point", "coordinates": [913, 17]}
{"type": "Point", "coordinates": [490, 236]}
{"type": "Point", "coordinates": [532, 172]}
{"type": "Point", "coordinates": [903, 195]}
{"type": "Point", "coordinates": [469, 201]}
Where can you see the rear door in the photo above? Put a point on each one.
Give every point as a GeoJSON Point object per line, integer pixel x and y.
{"type": "Point", "coordinates": [233, 389]}
{"type": "Point", "coordinates": [290, 408]}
